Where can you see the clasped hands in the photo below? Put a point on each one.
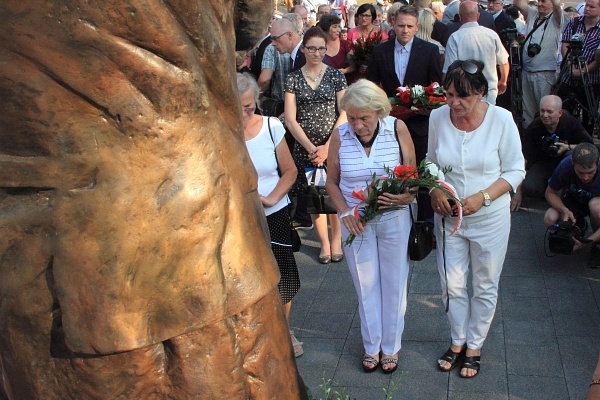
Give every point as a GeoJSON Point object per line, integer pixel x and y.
{"type": "Point", "coordinates": [318, 155]}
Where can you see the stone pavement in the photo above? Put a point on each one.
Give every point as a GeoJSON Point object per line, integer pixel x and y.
{"type": "Point", "coordinates": [543, 343]}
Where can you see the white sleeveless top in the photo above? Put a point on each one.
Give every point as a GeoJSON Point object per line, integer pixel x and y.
{"type": "Point", "coordinates": [356, 168]}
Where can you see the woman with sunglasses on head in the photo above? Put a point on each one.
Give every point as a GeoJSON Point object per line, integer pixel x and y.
{"type": "Point", "coordinates": [311, 95]}
{"type": "Point", "coordinates": [481, 143]}
{"type": "Point", "coordinates": [366, 14]}
{"type": "Point", "coordinates": [271, 158]}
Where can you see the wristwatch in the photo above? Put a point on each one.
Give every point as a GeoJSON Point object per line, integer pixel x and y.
{"type": "Point", "coordinates": [487, 200]}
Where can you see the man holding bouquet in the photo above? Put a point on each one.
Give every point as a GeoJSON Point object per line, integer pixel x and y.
{"type": "Point", "coordinates": [408, 61]}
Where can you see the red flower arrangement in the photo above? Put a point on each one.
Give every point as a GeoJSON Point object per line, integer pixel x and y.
{"type": "Point", "coordinates": [363, 50]}
{"type": "Point", "coordinates": [416, 97]}
{"type": "Point", "coordinates": [395, 181]}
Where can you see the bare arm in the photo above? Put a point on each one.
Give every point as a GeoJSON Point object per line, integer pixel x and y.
{"type": "Point", "coordinates": [293, 125]}
{"type": "Point", "coordinates": [522, 6]}
{"type": "Point", "coordinates": [264, 79]}
{"type": "Point", "coordinates": [503, 78]}
{"type": "Point", "coordinates": [289, 174]}
{"type": "Point", "coordinates": [557, 11]}
{"type": "Point", "coordinates": [320, 155]}
{"type": "Point", "coordinates": [351, 223]}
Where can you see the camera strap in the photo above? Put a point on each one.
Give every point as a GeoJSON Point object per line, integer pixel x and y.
{"type": "Point", "coordinates": [538, 22]}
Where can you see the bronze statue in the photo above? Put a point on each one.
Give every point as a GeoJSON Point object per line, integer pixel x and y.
{"type": "Point", "coordinates": [133, 255]}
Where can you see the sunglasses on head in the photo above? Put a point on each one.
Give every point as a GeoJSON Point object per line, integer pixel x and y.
{"type": "Point", "coordinates": [468, 66]}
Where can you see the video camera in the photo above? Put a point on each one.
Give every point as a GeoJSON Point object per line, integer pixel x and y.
{"type": "Point", "coordinates": [509, 34]}
{"type": "Point", "coordinates": [549, 146]}
{"type": "Point", "coordinates": [560, 238]}
{"type": "Point", "coordinates": [575, 44]}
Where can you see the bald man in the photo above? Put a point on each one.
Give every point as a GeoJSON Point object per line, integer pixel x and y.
{"type": "Point", "coordinates": [552, 126]}
{"type": "Point", "coordinates": [472, 41]}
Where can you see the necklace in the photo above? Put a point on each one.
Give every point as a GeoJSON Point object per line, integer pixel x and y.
{"type": "Point", "coordinates": [369, 143]}
{"type": "Point", "coordinates": [316, 78]}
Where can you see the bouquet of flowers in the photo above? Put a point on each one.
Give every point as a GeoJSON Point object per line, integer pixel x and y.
{"type": "Point", "coordinates": [417, 97]}
{"type": "Point", "coordinates": [395, 181]}
{"type": "Point", "coordinates": [363, 50]}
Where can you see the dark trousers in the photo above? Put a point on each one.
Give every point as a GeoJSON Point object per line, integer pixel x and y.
{"type": "Point", "coordinates": [425, 211]}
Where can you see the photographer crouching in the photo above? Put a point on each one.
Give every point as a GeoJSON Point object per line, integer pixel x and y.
{"type": "Point", "coordinates": [546, 142]}
{"type": "Point", "coordinates": [573, 193]}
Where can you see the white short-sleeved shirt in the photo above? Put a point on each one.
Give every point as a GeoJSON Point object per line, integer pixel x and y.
{"type": "Point", "coordinates": [262, 152]}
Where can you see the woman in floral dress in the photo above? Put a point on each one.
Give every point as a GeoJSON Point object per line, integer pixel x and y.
{"type": "Point", "coordinates": [311, 95]}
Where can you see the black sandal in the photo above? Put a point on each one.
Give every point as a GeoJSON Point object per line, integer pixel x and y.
{"type": "Point", "coordinates": [474, 363]}
{"type": "Point", "coordinates": [370, 360]}
{"type": "Point", "coordinates": [389, 361]}
{"type": "Point", "coordinates": [452, 358]}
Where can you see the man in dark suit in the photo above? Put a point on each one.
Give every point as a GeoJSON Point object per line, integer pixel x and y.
{"type": "Point", "coordinates": [408, 61]}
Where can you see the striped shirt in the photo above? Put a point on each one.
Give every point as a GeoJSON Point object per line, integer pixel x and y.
{"type": "Point", "coordinates": [356, 168]}
{"type": "Point", "coordinates": [590, 44]}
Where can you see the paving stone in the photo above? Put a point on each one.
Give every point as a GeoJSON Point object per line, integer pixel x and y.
{"type": "Point", "coordinates": [533, 360]}
{"type": "Point", "coordinates": [537, 388]}
{"type": "Point", "coordinates": [326, 325]}
{"type": "Point", "coordinates": [523, 286]}
{"type": "Point", "coordinates": [571, 324]}
{"type": "Point", "coordinates": [491, 379]}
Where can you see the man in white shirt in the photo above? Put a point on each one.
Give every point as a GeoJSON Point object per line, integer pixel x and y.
{"type": "Point", "coordinates": [472, 41]}
{"type": "Point", "coordinates": [544, 28]}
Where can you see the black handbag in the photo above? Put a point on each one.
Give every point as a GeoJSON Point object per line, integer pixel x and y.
{"type": "Point", "coordinates": [420, 239]}
{"type": "Point", "coordinates": [296, 242]}
{"type": "Point", "coordinates": [272, 107]}
{"type": "Point", "coordinates": [317, 198]}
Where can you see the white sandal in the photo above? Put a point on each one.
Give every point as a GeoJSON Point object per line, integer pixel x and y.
{"type": "Point", "coordinates": [297, 345]}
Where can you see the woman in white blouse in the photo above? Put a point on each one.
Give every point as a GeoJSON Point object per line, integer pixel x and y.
{"type": "Point", "coordinates": [269, 152]}
{"type": "Point", "coordinates": [481, 143]}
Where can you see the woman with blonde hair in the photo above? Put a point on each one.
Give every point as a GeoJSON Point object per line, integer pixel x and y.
{"type": "Point", "coordinates": [426, 20]}
{"type": "Point", "coordinates": [378, 257]}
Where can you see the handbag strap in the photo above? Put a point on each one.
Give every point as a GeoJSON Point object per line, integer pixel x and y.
{"type": "Point", "coordinates": [314, 174]}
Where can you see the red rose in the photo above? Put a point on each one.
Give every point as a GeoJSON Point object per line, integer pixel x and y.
{"type": "Point", "coordinates": [429, 90]}
{"type": "Point", "coordinates": [405, 97]}
{"type": "Point", "coordinates": [406, 171]}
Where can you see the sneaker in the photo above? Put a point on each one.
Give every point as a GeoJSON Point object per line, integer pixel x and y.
{"type": "Point", "coordinates": [305, 226]}
{"type": "Point", "coordinates": [594, 257]}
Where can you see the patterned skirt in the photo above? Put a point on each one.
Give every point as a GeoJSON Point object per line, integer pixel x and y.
{"type": "Point", "coordinates": [281, 244]}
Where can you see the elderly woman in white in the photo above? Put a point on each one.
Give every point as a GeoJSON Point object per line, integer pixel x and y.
{"type": "Point", "coordinates": [481, 143]}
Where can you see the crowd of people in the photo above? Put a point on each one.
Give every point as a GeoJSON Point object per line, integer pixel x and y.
{"type": "Point", "coordinates": [335, 108]}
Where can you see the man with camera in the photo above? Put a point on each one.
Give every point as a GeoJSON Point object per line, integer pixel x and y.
{"type": "Point", "coordinates": [580, 78]}
{"type": "Point", "coordinates": [573, 193]}
{"type": "Point", "coordinates": [544, 27]}
{"type": "Point", "coordinates": [546, 142]}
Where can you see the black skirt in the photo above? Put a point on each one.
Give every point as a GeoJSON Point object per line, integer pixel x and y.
{"type": "Point", "coordinates": [281, 245]}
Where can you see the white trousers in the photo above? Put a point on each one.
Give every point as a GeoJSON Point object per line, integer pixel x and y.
{"type": "Point", "coordinates": [535, 85]}
{"type": "Point", "coordinates": [481, 241]}
{"type": "Point", "coordinates": [378, 263]}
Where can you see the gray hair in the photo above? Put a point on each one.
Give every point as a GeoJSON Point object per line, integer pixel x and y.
{"type": "Point", "coordinates": [293, 21]}
{"type": "Point", "coordinates": [391, 12]}
{"type": "Point", "coordinates": [426, 20]}
{"type": "Point", "coordinates": [365, 95]}
{"type": "Point", "coordinates": [247, 82]}
{"type": "Point", "coordinates": [585, 155]}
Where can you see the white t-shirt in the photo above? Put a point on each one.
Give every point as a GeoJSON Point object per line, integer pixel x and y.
{"type": "Point", "coordinates": [262, 153]}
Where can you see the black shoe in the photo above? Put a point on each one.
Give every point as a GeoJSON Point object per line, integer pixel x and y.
{"type": "Point", "coordinates": [306, 226]}
{"type": "Point", "coordinates": [594, 257]}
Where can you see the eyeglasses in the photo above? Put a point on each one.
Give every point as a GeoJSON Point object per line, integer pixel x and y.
{"type": "Point", "coordinates": [276, 38]}
{"type": "Point", "coordinates": [312, 49]}
{"type": "Point", "coordinates": [468, 66]}
{"type": "Point", "coordinates": [365, 16]}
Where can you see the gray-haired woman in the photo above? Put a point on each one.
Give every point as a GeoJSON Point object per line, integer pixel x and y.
{"type": "Point", "coordinates": [269, 151]}
{"type": "Point", "coordinates": [378, 257]}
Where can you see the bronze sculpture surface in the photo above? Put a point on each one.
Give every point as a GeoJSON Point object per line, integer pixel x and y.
{"type": "Point", "coordinates": [132, 250]}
